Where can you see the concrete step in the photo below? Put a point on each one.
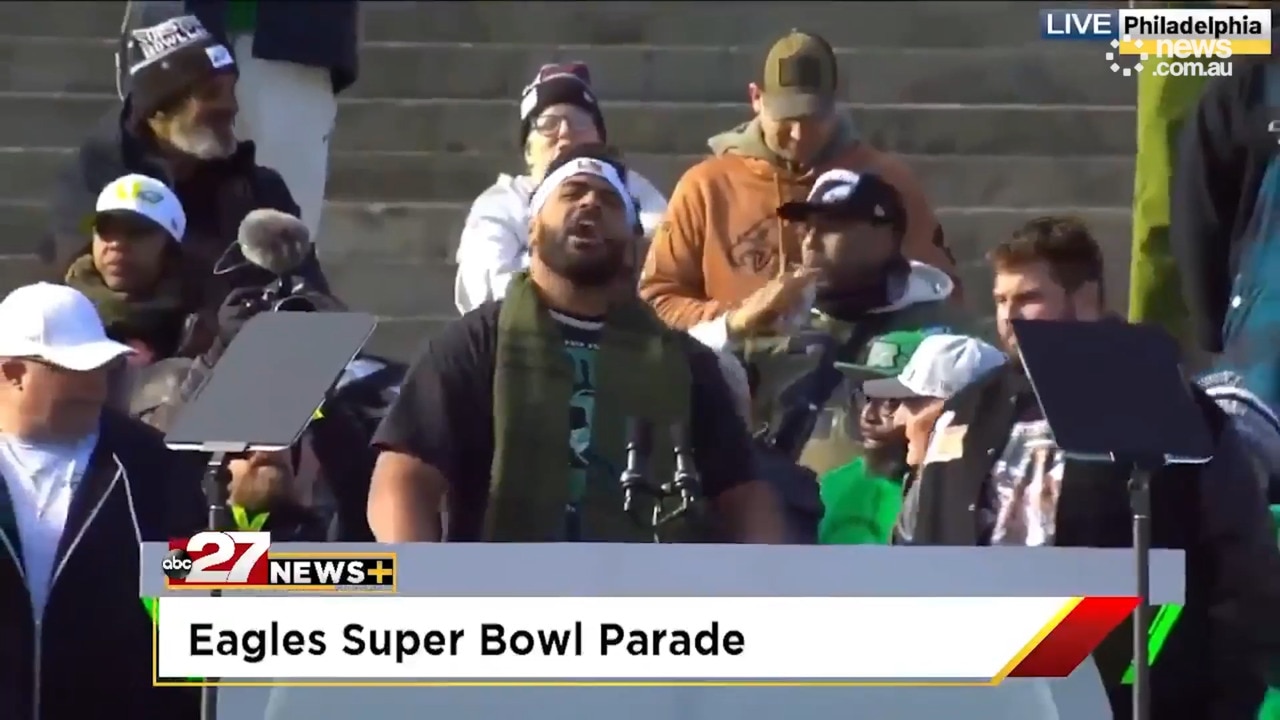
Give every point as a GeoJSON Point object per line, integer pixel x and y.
{"type": "Point", "coordinates": [61, 120]}
{"type": "Point", "coordinates": [950, 180]}
{"type": "Point", "coordinates": [395, 259]}
{"type": "Point", "coordinates": [423, 234]}
{"type": "Point", "coordinates": [863, 24]}
{"type": "Point", "coordinates": [17, 270]}
{"type": "Point", "coordinates": [1051, 74]}
{"type": "Point", "coordinates": [402, 338]}
{"type": "Point", "coordinates": [395, 337]}
{"type": "Point", "coordinates": [426, 233]}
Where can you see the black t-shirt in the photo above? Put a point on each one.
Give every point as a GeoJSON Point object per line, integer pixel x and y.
{"type": "Point", "coordinates": [444, 414]}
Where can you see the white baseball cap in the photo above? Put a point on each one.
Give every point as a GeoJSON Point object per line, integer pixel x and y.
{"type": "Point", "coordinates": [147, 197]}
{"type": "Point", "coordinates": [940, 367]}
{"type": "Point", "coordinates": [57, 324]}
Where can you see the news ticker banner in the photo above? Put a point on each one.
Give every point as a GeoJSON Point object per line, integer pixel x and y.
{"type": "Point", "coordinates": [650, 570]}
{"type": "Point", "coordinates": [606, 640]}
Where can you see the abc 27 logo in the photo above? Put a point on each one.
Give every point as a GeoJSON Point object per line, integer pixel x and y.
{"type": "Point", "coordinates": [195, 561]}
{"type": "Point", "coordinates": [241, 560]}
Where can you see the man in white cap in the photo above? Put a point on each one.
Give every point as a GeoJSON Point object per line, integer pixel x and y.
{"type": "Point", "coordinates": [133, 269]}
{"type": "Point", "coordinates": [941, 366]}
{"type": "Point", "coordinates": [83, 487]}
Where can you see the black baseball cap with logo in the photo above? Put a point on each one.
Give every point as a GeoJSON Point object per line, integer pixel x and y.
{"type": "Point", "coordinates": [854, 197]}
{"type": "Point", "coordinates": [800, 77]}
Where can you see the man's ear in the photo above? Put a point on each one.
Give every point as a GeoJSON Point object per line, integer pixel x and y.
{"type": "Point", "coordinates": [753, 94]}
{"type": "Point", "coordinates": [535, 232]}
{"type": "Point", "coordinates": [13, 371]}
{"type": "Point", "coordinates": [1089, 300]}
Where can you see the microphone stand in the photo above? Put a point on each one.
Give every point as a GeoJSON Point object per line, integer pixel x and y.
{"type": "Point", "coordinates": [217, 492]}
{"type": "Point", "coordinates": [685, 484]}
{"type": "Point", "coordinates": [1140, 473]}
{"type": "Point", "coordinates": [634, 478]}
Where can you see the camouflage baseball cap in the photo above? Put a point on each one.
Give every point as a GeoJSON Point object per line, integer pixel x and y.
{"type": "Point", "coordinates": [885, 356]}
{"type": "Point", "coordinates": [800, 77]}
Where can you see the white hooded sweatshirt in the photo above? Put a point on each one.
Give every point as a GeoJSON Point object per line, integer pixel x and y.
{"type": "Point", "coordinates": [925, 284]}
{"type": "Point", "coordinates": [495, 239]}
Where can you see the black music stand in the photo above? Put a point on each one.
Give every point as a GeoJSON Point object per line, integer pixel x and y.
{"type": "Point", "coordinates": [1114, 392]}
{"type": "Point", "coordinates": [261, 395]}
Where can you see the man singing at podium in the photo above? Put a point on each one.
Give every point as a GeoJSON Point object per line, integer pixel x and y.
{"type": "Point", "coordinates": [515, 420]}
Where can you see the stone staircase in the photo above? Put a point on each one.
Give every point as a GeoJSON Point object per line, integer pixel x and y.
{"type": "Point", "coordinates": [999, 124]}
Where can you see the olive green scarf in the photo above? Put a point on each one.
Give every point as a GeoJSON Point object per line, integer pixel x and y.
{"type": "Point", "coordinates": [124, 314]}
{"type": "Point", "coordinates": [641, 371]}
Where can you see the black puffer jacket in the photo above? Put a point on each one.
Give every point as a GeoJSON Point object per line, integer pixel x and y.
{"type": "Point", "coordinates": [216, 198]}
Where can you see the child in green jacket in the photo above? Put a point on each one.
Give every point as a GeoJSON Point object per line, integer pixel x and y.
{"type": "Point", "coordinates": [863, 498]}
{"type": "Point", "coordinates": [903, 385]}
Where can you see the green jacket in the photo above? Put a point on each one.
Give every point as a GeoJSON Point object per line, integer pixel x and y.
{"type": "Point", "coordinates": [1164, 103]}
{"type": "Point", "coordinates": [859, 508]}
{"type": "Point", "coordinates": [777, 363]}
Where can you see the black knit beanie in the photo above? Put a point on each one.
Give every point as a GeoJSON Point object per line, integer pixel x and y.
{"type": "Point", "coordinates": [566, 84]}
{"type": "Point", "coordinates": [167, 59]}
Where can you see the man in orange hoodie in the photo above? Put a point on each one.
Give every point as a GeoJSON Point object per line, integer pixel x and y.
{"type": "Point", "coordinates": [721, 239]}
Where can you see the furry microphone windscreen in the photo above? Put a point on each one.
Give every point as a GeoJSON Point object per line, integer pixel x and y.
{"type": "Point", "coordinates": [274, 241]}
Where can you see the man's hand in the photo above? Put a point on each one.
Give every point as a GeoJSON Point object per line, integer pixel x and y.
{"type": "Point", "coordinates": [778, 299]}
{"type": "Point", "coordinates": [262, 479]}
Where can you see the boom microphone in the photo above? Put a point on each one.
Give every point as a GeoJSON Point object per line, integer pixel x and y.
{"type": "Point", "coordinates": [274, 241]}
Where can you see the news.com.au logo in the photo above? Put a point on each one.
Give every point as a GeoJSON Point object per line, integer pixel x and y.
{"type": "Point", "coordinates": [1173, 43]}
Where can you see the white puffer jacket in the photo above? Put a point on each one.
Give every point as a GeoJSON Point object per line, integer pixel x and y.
{"type": "Point", "coordinates": [495, 240]}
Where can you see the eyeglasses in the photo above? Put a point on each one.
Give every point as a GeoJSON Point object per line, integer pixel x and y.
{"type": "Point", "coordinates": [550, 124]}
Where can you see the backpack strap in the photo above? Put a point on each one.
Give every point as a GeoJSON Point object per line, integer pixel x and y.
{"type": "Point", "coordinates": [805, 401]}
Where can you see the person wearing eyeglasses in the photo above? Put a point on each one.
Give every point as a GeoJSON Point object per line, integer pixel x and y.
{"type": "Point", "coordinates": [558, 110]}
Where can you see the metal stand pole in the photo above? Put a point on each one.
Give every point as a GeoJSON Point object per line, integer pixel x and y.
{"type": "Point", "coordinates": [217, 492]}
{"type": "Point", "coordinates": [1140, 503]}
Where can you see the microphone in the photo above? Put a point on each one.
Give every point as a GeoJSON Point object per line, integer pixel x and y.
{"type": "Point", "coordinates": [686, 481]}
{"type": "Point", "coordinates": [274, 241]}
{"type": "Point", "coordinates": [639, 446]}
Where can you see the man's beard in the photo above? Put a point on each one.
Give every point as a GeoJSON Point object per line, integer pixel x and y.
{"type": "Point", "coordinates": [580, 269]}
{"type": "Point", "coordinates": [201, 142]}
{"type": "Point", "coordinates": [851, 291]}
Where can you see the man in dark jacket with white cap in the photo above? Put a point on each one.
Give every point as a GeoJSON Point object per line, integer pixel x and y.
{"type": "Point", "coordinates": [83, 487]}
{"type": "Point", "coordinates": [176, 125]}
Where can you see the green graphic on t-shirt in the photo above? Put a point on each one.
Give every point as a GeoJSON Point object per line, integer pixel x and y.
{"type": "Point", "coordinates": [581, 410]}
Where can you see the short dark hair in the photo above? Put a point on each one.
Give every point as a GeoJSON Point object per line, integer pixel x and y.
{"type": "Point", "coordinates": [1063, 244]}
